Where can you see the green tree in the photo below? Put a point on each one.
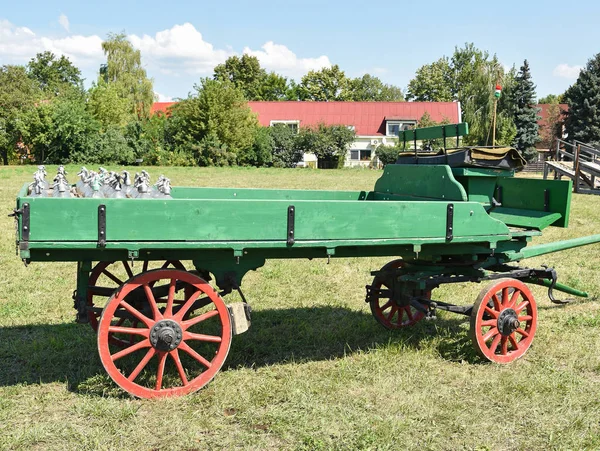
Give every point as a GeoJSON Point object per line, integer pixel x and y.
{"type": "Point", "coordinates": [108, 105]}
{"type": "Point", "coordinates": [329, 143]}
{"type": "Point", "coordinates": [63, 131]}
{"type": "Point", "coordinates": [244, 73]}
{"type": "Point", "coordinates": [261, 152]}
{"type": "Point", "coordinates": [218, 108]}
{"type": "Point", "coordinates": [551, 128]}
{"type": "Point", "coordinates": [526, 114]}
{"type": "Point", "coordinates": [274, 87]}
{"type": "Point", "coordinates": [18, 96]}
{"type": "Point", "coordinates": [54, 75]}
{"type": "Point", "coordinates": [247, 75]}
{"type": "Point", "coordinates": [327, 84]}
{"type": "Point", "coordinates": [583, 98]}
{"type": "Point", "coordinates": [286, 154]}
{"type": "Point", "coordinates": [469, 77]}
{"type": "Point", "coordinates": [433, 83]}
{"type": "Point", "coordinates": [552, 99]}
{"type": "Point", "coordinates": [387, 154]}
{"type": "Point", "coordinates": [124, 69]}
{"type": "Point", "coordinates": [370, 88]}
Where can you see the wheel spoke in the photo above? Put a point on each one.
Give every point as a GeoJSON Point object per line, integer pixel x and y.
{"type": "Point", "coordinates": [522, 332]}
{"type": "Point", "coordinates": [524, 318]}
{"type": "Point", "coordinates": [392, 313]}
{"type": "Point", "coordinates": [492, 313]}
{"type": "Point", "coordinates": [514, 298]}
{"type": "Point", "coordinates": [129, 330]}
{"type": "Point", "coordinates": [521, 306]}
{"type": "Point", "coordinates": [201, 337]}
{"type": "Point", "coordinates": [169, 308]}
{"type": "Point", "coordinates": [491, 333]}
{"type": "Point", "coordinates": [497, 303]}
{"type": "Point", "coordinates": [162, 358]}
{"type": "Point", "coordinates": [190, 322]}
{"type": "Point", "coordinates": [513, 341]}
{"type": "Point", "coordinates": [112, 277]}
{"type": "Point", "coordinates": [504, 344]}
{"type": "Point", "coordinates": [495, 343]}
{"type": "Point", "coordinates": [188, 305]}
{"type": "Point", "coordinates": [386, 306]}
{"type": "Point", "coordinates": [505, 297]}
{"type": "Point", "coordinates": [489, 323]}
{"type": "Point", "coordinates": [185, 347]}
{"type": "Point", "coordinates": [142, 344]}
{"type": "Point", "coordinates": [155, 312]}
{"type": "Point", "coordinates": [139, 315]}
{"type": "Point", "coordinates": [142, 364]}
{"type": "Point", "coordinates": [175, 355]}
{"type": "Point", "coordinates": [128, 269]}
{"type": "Point", "coordinates": [409, 313]}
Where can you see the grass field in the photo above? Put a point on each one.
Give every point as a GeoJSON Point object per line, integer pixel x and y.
{"type": "Point", "coordinates": [315, 371]}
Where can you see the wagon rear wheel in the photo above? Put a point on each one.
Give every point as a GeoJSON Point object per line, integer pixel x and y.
{"type": "Point", "coordinates": [385, 310]}
{"type": "Point", "coordinates": [173, 352]}
{"type": "Point", "coordinates": [106, 278]}
{"type": "Point", "coordinates": [503, 321]}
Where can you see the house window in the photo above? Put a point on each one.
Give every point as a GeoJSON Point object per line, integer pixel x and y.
{"type": "Point", "coordinates": [362, 155]}
{"type": "Point", "coordinates": [393, 128]}
{"type": "Point", "coordinates": [293, 125]}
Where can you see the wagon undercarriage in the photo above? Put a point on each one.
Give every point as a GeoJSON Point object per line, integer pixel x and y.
{"type": "Point", "coordinates": [164, 330]}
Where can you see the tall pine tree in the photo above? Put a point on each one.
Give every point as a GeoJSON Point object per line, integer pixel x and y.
{"type": "Point", "coordinates": [583, 117]}
{"type": "Point", "coordinates": [526, 114]}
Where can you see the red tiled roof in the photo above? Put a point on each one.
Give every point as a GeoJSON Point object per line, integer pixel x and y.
{"type": "Point", "coordinates": [543, 113]}
{"type": "Point", "coordinates": [161, 107]}
{"type": "Point", "coordinates": [368, 118]}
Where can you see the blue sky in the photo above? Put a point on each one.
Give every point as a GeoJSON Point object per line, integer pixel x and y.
{"type": "Point", "coordinates": [182, 41]}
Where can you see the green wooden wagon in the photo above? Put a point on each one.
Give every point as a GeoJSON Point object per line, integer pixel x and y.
{"type": "Point", "coordinates": [456, 216]}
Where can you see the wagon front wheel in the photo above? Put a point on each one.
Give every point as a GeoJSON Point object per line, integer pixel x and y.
{"type": "Point", "coordinates": [173, 352]}
{"type": "Point", "coordinates": [503, 321]}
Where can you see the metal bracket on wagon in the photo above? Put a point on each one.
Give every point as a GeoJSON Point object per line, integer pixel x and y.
{"type": "Point", "coordinates": [240, 317]}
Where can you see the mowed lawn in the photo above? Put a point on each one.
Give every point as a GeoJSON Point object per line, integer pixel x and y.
{"type": "Point", "coordinates": [315, 371]}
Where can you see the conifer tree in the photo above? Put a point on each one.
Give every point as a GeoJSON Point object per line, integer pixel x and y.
{"type": "Point", "coordinates": [526, 113]}
{"type": "Point", "coordinates": [583, 117]}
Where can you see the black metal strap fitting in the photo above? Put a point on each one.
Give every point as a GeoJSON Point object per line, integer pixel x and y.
{"type": "Point", "coordinates": [449, 222]}
{"type": "Point", "coordinates": [291, 221]}
{"type": "Point", "coordinates": [101, 225]}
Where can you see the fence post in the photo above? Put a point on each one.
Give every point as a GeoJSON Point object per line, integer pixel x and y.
{"type": "Point", "coordinates": [576, 167]}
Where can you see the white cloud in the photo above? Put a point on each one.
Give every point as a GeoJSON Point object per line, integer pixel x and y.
{"type": "Point", "coordinates": [20, 44]}
{"type": "Point", "coordinates": [63, 20]}
{"type": "Point", "coordinates": [162, 98]}
{"type": "Point", "coordinates": [179, 50]}
{"type": "Point", "coordinates": [181, 47]}
{"type": "Point", "coordinates": [566, 71]}
{"type": "Point", "coordinates": [281, 59]}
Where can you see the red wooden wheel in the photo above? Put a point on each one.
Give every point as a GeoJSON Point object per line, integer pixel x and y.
{"type": "Point", "coordinates": [503, 321]}
{"type": "Point", "coordinates": [387, 312]}
{"type": "Point", "coordinates": [172, 352]}
{"type": "Point", "coordinates": [104, 280]}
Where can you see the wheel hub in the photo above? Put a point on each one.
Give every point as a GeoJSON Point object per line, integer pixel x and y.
{"type": "Point", "coordinates": [166, 335]}
{"type": "Point", "coordinates": [508, 321]}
